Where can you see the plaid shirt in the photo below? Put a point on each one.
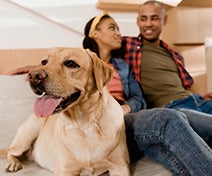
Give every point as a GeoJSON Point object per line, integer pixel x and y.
{"type": "Point", "coordinates": [133, 56]}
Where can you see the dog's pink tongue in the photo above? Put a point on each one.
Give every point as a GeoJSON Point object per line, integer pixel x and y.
{"type": "Point", "coordinates": [45, 105]}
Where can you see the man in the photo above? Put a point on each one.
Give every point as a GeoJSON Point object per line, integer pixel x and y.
{"type": "Point", "coordinates": [161, 72]}
{"type": "Point", "coordinates": [158, 68]}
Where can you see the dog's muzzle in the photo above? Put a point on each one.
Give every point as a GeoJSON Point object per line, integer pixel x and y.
{"type": "Point", "coordinates": [48, 103]}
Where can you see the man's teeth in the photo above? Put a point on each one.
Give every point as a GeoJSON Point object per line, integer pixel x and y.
{"type": "Point", "coordinates": [149, 31]}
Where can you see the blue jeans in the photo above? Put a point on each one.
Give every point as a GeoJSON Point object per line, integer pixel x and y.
{"type": "Point", "coordinates": [199, 114]}
{"type": "Point", "coordinates": [193, 102]}
{"type": "Point", "coordinates": [165, 136]}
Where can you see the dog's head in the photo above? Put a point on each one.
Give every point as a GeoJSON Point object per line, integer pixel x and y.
{"type": "Point", "coordinates": [65, 77]}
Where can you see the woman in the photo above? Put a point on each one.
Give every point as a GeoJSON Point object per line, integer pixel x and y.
{"type": "Point", "coordinates": [160, 134]}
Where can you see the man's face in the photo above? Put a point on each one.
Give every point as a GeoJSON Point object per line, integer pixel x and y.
{"type": "Point", "coordinates": [150, 21]}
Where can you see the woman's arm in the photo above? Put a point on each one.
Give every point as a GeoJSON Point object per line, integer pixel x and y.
{"type": "Point", "coordinates": [133, 94]}
{"type": "Point", "coordinates": [135, 98]}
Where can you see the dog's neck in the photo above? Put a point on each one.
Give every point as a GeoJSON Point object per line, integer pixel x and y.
{"type": "Point", "coordinates": [90, 110]}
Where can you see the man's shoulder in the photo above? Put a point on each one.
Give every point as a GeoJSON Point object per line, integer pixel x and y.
{"type": "Point", "coordinates": [131, 41]}
{"type": "Point", "coordinates": [130, 38]}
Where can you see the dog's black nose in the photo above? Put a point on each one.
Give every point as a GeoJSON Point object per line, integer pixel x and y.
{"type": "Point", "coordinates": [36, 76]}
{"type": "Point", "coordinates": [37, 79]}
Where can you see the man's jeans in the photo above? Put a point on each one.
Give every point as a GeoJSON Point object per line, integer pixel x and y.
{"type": "Point", "coordinates": [193, 102]}
{"type": "Point", "coordinates": [165, 136]}
{"type": "Point", "coordinates": [199, 114]}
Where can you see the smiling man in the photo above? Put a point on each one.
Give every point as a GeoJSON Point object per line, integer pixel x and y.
{"type": "Point", "coordinates": [161, 71]}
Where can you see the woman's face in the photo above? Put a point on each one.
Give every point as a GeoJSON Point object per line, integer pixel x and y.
{"type": "Point", "coordinates": [107, 35]}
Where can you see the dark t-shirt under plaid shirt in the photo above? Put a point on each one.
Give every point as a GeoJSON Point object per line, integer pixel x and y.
{"type": "Point", "coordinates": [133, 55]}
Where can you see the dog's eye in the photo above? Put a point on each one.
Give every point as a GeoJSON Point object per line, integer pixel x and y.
{"type": "Point", "coordinates": [71, 64]}
{"type": "Point", "coordinates": [44, 62]}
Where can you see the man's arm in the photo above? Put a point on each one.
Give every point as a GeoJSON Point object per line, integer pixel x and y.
{"type": "Point", "coordinates": [207, 96]}
{"type": "Point", "coordinates": [21, 70]}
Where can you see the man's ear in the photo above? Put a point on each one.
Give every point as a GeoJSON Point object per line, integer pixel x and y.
{"type": "Point", "coordinates": [165, 19]}
{"type": "Point", "coordinates": [137, 21]}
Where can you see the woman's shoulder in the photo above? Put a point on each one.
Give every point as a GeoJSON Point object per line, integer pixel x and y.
{"type": "Point", "coordinates": [120, 64]}
{"type": "Point", "coordinates": [119, 60]}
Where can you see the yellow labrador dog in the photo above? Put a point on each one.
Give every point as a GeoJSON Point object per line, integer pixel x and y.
{"type": "Point", "coordinates": [77, 128]}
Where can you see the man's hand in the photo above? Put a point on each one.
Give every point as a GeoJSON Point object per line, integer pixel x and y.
{"type": "Point", "coordinates": [21, 70]}
{"type": "Point", "coordinates": [207, 96]}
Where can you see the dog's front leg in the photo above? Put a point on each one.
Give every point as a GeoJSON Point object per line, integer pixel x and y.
{"type": "Point", "coordinates": [120, 171]}
{"type": "Point", "coordinates": [22, 142]}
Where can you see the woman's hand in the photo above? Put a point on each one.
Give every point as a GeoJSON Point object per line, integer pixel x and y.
{"type": "Point", "coordinates": [126, 109]}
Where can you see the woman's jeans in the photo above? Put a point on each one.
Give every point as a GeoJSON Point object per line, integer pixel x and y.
{"type": "Point", "coordinates": [165, 136]}
{"type": "Point", "coordinates": [199, 114]}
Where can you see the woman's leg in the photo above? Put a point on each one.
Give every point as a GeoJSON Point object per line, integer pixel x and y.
{"type": "Point", "coordinates": [166, 137]}
{"type": "Point", "coordinates": [159, 154]}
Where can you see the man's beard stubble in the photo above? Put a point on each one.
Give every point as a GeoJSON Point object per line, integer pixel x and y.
{"type": "Point", "coordinates": [153, 40]}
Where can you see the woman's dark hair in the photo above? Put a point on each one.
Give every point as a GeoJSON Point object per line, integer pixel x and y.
{"type": "Point", "coordinates": [88, 42]}
{"type": "Point", "coordinates": [91, 44]}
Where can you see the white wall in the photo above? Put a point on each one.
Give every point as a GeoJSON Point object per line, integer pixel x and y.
{"type": "Point", "coordinates": [24, 26]}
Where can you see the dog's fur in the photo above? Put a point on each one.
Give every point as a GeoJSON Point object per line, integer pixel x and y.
{"type": "Point", "coordinates": [82, 138]}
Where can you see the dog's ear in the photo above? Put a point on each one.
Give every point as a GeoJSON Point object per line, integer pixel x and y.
{"type": "Point", "coordinates": [102, 72]}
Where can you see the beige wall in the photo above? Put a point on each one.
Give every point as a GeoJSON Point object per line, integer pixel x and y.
{"type": "Point", "coordinates": [13, 58]}
{"type": "Point", "coordinates": [209, 67]}
{"type": "Point", "coordinates": [185, 31]}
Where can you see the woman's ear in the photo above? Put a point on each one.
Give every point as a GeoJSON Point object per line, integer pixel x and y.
{"type": "Point", "coordinates": [94, 34]}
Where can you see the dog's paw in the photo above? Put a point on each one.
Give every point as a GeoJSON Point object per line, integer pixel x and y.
{"type": "Point", "coordinates": [86, 172]}
{"type": "Point", "coordinates": [13, 165]}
